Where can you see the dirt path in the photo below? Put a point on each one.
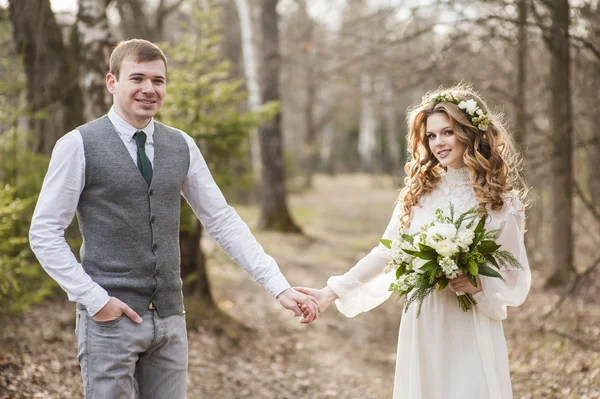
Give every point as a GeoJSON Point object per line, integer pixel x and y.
{"type": "Point", "coordinates": [333, 358]}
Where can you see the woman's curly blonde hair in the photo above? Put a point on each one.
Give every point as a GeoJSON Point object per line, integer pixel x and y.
{"type": "Point", "coordinates": [491, 156]}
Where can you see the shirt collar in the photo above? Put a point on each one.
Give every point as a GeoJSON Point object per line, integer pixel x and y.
{"type": "Point", "coordinates": [127, 131]}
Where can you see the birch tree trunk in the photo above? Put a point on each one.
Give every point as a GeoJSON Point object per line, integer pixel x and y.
{"type": "Point", "coordinates": [250, 70]}
{"type": "Point", "coordinates": [561, 260]}
{"type": "Point", "coordinates": [53, 92]}
{"type": "Point", "coordinates": [366, 136]}
{"type": "Point", "coordinates": [274, 210]}
{"type": "Point", "coordinates": [95, 44]}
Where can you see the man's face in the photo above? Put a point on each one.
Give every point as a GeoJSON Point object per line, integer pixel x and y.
{"type": "Point", "coordinates": [139, 92]}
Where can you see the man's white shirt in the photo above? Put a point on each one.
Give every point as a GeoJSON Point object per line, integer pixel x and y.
{"type": "Point", "coordinates": [65, 182]}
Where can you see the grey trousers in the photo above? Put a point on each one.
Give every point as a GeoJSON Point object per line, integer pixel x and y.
{"type": "Point", "coordinates": [120, 359]}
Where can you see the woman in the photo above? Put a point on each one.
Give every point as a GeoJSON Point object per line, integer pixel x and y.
{"type": "Point", "coordinates": [461, 154]}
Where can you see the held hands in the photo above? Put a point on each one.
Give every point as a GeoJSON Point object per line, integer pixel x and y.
{"type": "Point", "coordinates": [113, 309]}
{"type": "Point", "coordinates": [302, 305]}
{"type": "Point", "coordinates": [462, 284]}
{"type": "Point", "coordinates": [324, 297]}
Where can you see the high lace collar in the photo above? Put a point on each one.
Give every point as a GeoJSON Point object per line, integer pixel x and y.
{"type": "Point", "coordinates": [457, 176]}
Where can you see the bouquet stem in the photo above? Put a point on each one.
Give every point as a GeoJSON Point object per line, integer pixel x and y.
{"type": "Point", "coordinates": [466, 301]}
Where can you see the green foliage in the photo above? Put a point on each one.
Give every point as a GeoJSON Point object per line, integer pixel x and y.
{"type": "Point", "coordinates": [204, 101]}
{"type": "Point", "coordinates": [22, 281]}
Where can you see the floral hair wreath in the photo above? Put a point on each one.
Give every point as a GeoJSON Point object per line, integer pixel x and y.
{"type": "Point", "coordinates": [474, 112]}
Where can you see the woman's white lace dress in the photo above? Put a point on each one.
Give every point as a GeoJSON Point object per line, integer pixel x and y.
{"type": "Point", "coordinates": [446, 353]}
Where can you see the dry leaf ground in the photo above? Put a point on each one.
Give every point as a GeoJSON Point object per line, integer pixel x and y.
{"type": "Point", "coordinates": [274, 356]}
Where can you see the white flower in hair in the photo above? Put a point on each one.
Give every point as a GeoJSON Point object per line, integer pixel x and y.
{"type": "Point", "coordinates": [474, 113]}
{"type": "Point", "coordinates": [470, 106]}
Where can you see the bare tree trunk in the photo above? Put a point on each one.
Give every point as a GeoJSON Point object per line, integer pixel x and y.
{"type": "Point", "coordinates": [327, 149]}
{"type": "Point", "coordinates": [95, 44]}
{"type": "Point", "coordinates": [250, 70]}
{"type": "Point", "coordinates": [594, 180]}
{"type": "Point", "coordinates": [311, 155]}
{"type": "Point", "coordinates": [561, 260]}
{"type": "Point", "coordinates": [391, 127]}
{"type": "Point", "coordinates": [366, 138]}
{"type": "Point", "coordinates": [53, 92]}
{"type": "Point", "coordinates": [521, 103]}
{"type": "Point", "coordinates": [137, 22]}
{"type": "Point", "coordinates": [193, 265]}
{"type": "Point", "coordinates": [134, 22]}
{"type": "Point", "coordinates": [274, 210]}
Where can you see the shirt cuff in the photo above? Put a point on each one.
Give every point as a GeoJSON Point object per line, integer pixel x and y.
{"type": "Point", "coordinates": [277, 284]}
{"type": "Point", "coordinates": [95, 299]}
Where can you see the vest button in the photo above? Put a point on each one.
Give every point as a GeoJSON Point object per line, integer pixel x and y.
{"type": "Point", "coordinates": [157, 272]}
{"type": "Point", "coordinates": [152, 218]}
{"type": "Point", "coordinates": [155, 247]}
{"type": "Point", "coordinates": [151, 192]}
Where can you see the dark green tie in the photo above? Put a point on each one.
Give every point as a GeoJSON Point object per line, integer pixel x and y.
{"type": "Point", "coordinates": [143, 163]}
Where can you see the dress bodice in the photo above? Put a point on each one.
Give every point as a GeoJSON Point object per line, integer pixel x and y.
{"type": "Point", "coordinates": [454, 187]}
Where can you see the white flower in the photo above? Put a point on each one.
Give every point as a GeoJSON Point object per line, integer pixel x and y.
{"type": "Point", "coordinates": [479, 112]}
{"type": "Point", "coordinates": [445, 230]}
{"type": "Point", "coordinates": [470, 106]}
{"type": "Point", "coordinates": [396, 254]}
{"type": "Point", "coordinates": [446, 248]}
{"type": "Point", "coordinates": [465, 238]}
{"type": "Point", "coordinates": [483, 128]}
{"type": "Point", "coordinates": [449, 267]}
{"type": "Point", "coordinates": [405, 282]}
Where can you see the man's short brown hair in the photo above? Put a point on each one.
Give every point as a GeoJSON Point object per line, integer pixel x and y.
{"type": "Point", "coordinates": [143, 50]}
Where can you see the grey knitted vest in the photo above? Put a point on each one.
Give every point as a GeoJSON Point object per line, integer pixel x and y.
{"type": "Point", "coordinates": [131, 231]}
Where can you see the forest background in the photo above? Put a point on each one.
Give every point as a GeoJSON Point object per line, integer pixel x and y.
{"type": "Point", "coordinates": [299, 107]}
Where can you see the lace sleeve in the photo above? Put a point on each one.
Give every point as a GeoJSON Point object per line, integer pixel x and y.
{"type": "Point", "coordinates": [365, 286]}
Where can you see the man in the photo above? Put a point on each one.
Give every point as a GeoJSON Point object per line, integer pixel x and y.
{"type": "Point", "coordinates": [124, 174]}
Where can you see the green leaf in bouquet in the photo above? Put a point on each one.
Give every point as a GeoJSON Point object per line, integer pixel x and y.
{"type": "Point", "coordinates": [386, 243]}
{"type": "Point", "coordinates": [472, 279]}
{"type": "Point", "coordinates": [507, 258]}
{"type": "Point", "coordinates": [468, 215]}
{"type": "Point", "coordinates": [421, 255]}
{"type": "Point", "coordinates": [442, 283]}
{"type": "Point", "coordinates": [473, 268]}
{"type": "Point", "coordinates": [480, 225]}
{"type": "Point", "coordinates": [426, 248]}
{"type": "Point", "coordinates": [430, 266]}
{"type": "Point", "coordinates": [408, 238]}
{"type": "Point", "coordinates": [475, 242]}
{"type": "Point", "coordinates": [490, 258]}
{"type": "Point", "coordinates": [488, 271]}
{"type": "Point", "coordinates": [493, 234]}
{"type": "Point", "coordinates": [401, 270]}
{"type": "Point", "coordinates": [487, 247]}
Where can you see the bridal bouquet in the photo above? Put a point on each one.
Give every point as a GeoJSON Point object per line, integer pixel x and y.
{"type": "Point", "coordinates": [445, 248]}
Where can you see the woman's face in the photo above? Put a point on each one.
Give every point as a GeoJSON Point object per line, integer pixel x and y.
{"type": "Point", "coordinates": [443, 142]}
